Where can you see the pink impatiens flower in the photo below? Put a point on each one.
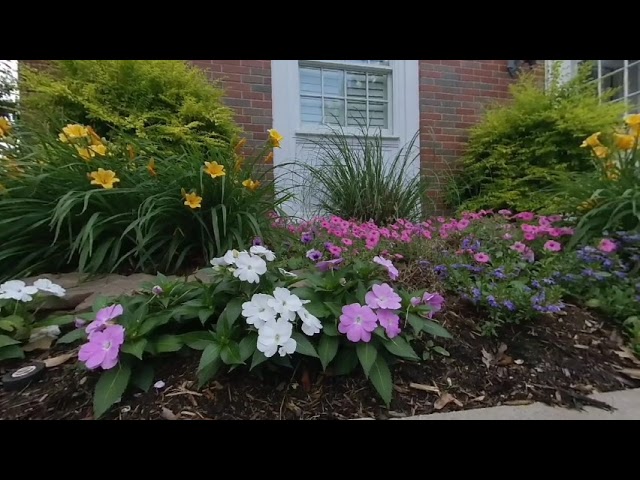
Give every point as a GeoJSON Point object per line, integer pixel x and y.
{"type": "Point", "coordinates": [607, 246]}
{"type": "Point", "coordinates": [103, 316]}
{"type": "Point", "coordinates": [103, 348]}
{"type": "Point", "coordinates": [525, 216]}
{"type": "Point", "coordinates": [552, 246]}
{"type": "Point", "coordinates": [529, 237]}
{"type": "Point", "coordinates": [482, 257]}
{"type": "Point", "coordinates": [357, 322]}
{"type": "Point", "coordinates": [347, 241]}
{"type": "Point", "coordinates": [393, 271]}
{"type": "Point", "coordinates": [518, 247]}
{"type": "Point", "coordinates": [382, 296]}
{"type": "Point", "coordinates": [390, 321]}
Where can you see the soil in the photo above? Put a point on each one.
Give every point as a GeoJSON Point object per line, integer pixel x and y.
{"type": "Point", "coordinates": [558, 360]}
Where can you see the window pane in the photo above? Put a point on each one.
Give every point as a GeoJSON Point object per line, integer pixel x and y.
{"type": "Point", "coordinates": [310, 81]}
{"type": "Point", "coordinates": [356, 84]}
{"type": "Point", "coordinates": [356, 113]}
{"type": "Point", "coordinates": [614, 81]}
{"type": "Point", "coordinates": [634, 78]}
{"type": "Point", "coordinates": [333, 111]}
{"type": "Point", "coordinates": [311, 110]}
{"type": "Point", "coordinates": [333, 82]}
{"type": "Point", "coordinates": [380, 62]}
{"type": "Point", "coordinates": [378, 115]}
{"type": "Point", "coordinates": [634, 103]}
{"type": "Point", "coordinates": [609, 66]}
{"type": "Point", "coordinates": [377, 86]}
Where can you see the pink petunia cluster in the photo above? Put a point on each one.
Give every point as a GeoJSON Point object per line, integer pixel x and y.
{"type": "Point", "coordinates": [105, 339]}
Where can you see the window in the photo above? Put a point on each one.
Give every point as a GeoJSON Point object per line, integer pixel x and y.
{"type": "Point", "coordinates": [621, 75]}
{"type": "Point", "coordinates": [349, 93]}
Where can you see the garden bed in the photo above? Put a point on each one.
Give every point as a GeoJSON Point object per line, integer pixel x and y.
{"type": "Point", "coordinates": [558, 360]}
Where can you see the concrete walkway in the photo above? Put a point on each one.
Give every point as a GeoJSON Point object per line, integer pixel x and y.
{"type": "Point", "coordinates": [626, 403]}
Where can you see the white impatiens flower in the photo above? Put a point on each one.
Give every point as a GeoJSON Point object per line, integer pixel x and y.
{"type": "Point", "coordinates": [17, 290]}
{"type": "Point", "coordinates": [229, 258]}
{"type": "Point", "coordinates": [46, 285]}
{"type": "Point", "coordinates": [275, 336]}
{"type": "Point", "coordinates": [310, 323]}
{"type": "Point", "coordinates": [265, 252]}
{"type": "Point", "coordinates": [257, 311]}
{"type": "Point", "coordinates": [286, 303]}
{"type": "Point", "coordinates": [250, 267]}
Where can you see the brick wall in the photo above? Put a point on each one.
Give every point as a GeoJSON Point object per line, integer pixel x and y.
{"type": "Point", "coordinates": [247, 85]}
{"type": "Point", "coordinates": [453, 97]}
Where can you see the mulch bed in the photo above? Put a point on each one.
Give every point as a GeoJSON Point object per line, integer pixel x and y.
{"type": "Point", "coordinates": [557, 360]}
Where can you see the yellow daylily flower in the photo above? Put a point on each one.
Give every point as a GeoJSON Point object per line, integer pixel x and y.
{"type": "Point", "coordinates": [251, 185]}
{"type": "Point", "coordinates": [239, 145]}
{"type": "Point", "coordinates": [269, 159]}
{"type": "Point", "coordinates": [5, 127]}
{"type": "Point", "coordinates": [131, 151]}
{"type": "Point", "coordinates": [634, 122]}
{"type": "Point", "coordinates": [239, 163]}
{"type": "Point", "coordinates": [193, 200]}
{"type": "Point", "coordinates": [151, 167]}
{"type": "Point", "coordinates": [624, 142]}
{"type": "Point", "coordinates": [275, 137]}
{"type": "Point", "coordinates": [104, 178]}
{"type": "Point", "coordinates": [91, 151]}
{"type": "Point", "coordinates": [587, 205]}
{"type": "Point", "coordinates": [214, 169]}
{"type": "Point", "coordinates": [592, 141]}
{"type": "Point", "coordinates": [601, 151]}
{"type": "Point", "coordinates": [95, 138]}
{"type": "Point", "coordinates": [99, 149]}
{"type": "Point", "coordinates": [73, 132]}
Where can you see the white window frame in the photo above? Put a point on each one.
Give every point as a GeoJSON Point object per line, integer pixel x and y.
{"type": "Point", "coordinates": [348, 66]}
{"type": "Point", "coordinates": [403, 110]}
{"type": "Point", "coordinates": [569, 69]}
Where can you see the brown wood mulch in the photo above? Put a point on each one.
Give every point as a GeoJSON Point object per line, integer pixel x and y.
{"type": "Point", "coordinates": [557, 360]}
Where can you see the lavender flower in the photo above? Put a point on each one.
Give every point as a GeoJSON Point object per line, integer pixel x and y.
{"type": "Point", "coordinates": [424, 263]}
{"type": "Point", "coordinates": [499, 273]}
{"type": "Point", "coordinates": [307, 237]}
{"type": "Point", "coordinates": [257, 242]}
{"type": "Point", "coordinates": [441, 270]}
{"type": "Point", "coordinates": [509, 305]}
{"type": "Point", "coordinates": [536, 284]}
{"type": "Point", "coordinates": [492, 302]}
{"type": "Point", "coordinates": [548, 281]}
{"type": "Point", "coordinates": [327, 265]}
{"type": "Point", "coordinates": [314, 255]}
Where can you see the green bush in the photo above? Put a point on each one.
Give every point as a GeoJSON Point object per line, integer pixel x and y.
{"type": "Point", "coordinates": [519, 148]}
{"type": "Point", "coordinates": [354, 180]}
{"type": "Point", "coordinates": [162, 100]}
{"type": "Point", "coordinates": [62, 209]}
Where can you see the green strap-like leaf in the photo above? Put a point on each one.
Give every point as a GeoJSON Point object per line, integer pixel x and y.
{"type": "Point", "coordinates": [210, 354]}
{"type": "Point", "coordinates": [380, 377]}
{"type": "Point", "coordinates": [6, 340]}
{"type": "Point", "coordinates": [401, 348]}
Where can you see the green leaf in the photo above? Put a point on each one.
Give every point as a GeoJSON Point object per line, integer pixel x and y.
{"type": "Point", "coordinates": [329, 328]}
{"type": "Point", "coordinates": [593, 303]}
{"type": "Point", "coordinates": [334, 308]}
{"type": "Point", "coordinates": [257, 359]}
{"type": "Point", "coordinates": [367, 355]}
{"type": "Point", "coordinates": [11, 351]}
{"type": "Point", "coordinates": [345, 362]}
{"type": "Point", "coordinates": [441, 351]}
{"type": "Point", "coordinates": [327, 349]}
{"type": "Point", "coordinates": [207, 373]}
{"type": "Point", "coordinates": [197, 340]}
{"type": "Point", "coordinates": [168, 343]}
{"type": "Point", "coordinates": [232, 311]}
{"type": "Point", "coordinates": [380, 377]}
{"type": "Point", "coordinates": [230, 354]}
{"type": "Point", "coordinates": [248, 345]}
{"type": "Point", "coordinates": [205, 314]}
{"type": "Point", "coordinates": [110, 388]}
{"type": "Point", "coordinates": [6, 340]}
{"type": "Point", "coordinates": [73, 336]}
{"type": "Point", "coordinates": [361, 291]}
{"type": "Point", "coordinates": [11, 323]}
{"type": "Point", "coordinates": [209, 355]}
{"type": "Point", "coordinates": [435, 329]}
{"type": "Point", "coordinates": [143, 377]}
{"type": "Point", "coordinates": [303, 345]}
{"type": "Point", "coordinates": [135, 348]}
{"type": "Point", "coordinates": [317, 309]}
{"type": "Point", "coordinates": [401, 348]}
{"type": "Point", "coordinates": [59, 321]}
{"type": "Point", "coordinates": [416, 322]}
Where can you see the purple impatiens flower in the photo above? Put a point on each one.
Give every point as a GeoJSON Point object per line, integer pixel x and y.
{"type": "Point", "coordinates": [434, 300]}
{"type": "Point", "coordinates": [383, 296]}
{"type": "Point", "coordinates": [102, 317]}
{"type": "Point", "coordinates": [307, 237]}
{"type": "Point", "coordinates": [393, 271]}
{"type": "Point", "coordinates": [103, 348]}
{"type": "Point", "coordinates": [357, 322]}
{"type": "Point", "coordinates": [329, 264]}
{"type": "Point", "coordinates": [390, 321]}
